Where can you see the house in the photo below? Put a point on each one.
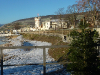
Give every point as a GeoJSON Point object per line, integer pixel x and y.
{"type": "Point", "coordinates": [32, 29]}
{"type": "Point", "coordinates": [25, 29]}
{"type": "Point", "coordinates": [48, 23]}
{"type": "Point", "coordinates": [2, 32]}
{"type": "Point", "coordinates": [54, 23]}
{"type": "Point", "coordinates": [19, 30]}
{"type": "Point", "coordinates": [6, 32]}
{"type": "Point", "coordinates": [45, 24]}
{"type": "Point", "coordinates": [57, 23]}
{"type": "Point", "coordinates": [15, 31]}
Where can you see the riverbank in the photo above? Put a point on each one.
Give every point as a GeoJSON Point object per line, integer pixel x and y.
{"type": "Point", "coordinates": [9, 34]}
{"type": "Point", "coordinates": [23, 56]}
{"type": "Point", "coordinates": [59, 54]}
{"type": "Point", "coordinates": [8, 38]}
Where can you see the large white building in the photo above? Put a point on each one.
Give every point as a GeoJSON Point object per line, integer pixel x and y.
{"type": "Point", "coordinates": [37, 22]}
{"type": "Point", "coordinates": [48, 23]}
{"type": "Point", "coordinates": [56, 23]}
{"type": "Point", "coordinates": [45, 24]}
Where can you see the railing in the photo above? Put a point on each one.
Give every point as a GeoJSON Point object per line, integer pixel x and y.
{"type": "Point", "coordinates": [25, 47]}
{"type": "Point", "coordinates": [44, 56]}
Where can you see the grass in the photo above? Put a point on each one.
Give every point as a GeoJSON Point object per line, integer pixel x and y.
{"type": "Point", "coordinates": [57, 53]}
{"type": "Point", "coordinates": [12, 36]}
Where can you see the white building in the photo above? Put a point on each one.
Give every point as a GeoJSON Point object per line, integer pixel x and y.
{"type": "Point", "coordinates": [48, 23]}
{"type": "Point", "coordinates": [32, 29]}
{"type": "Point", "coordinates": [45, 25]}
{"type": "Point", "coordinates": [37, 22]}
{"type": "Point", "coordinates": [14, 31]}
{"type": "Point", "coordinates": [25, 29]}
{"type": "Point", "coordinates": [56, 23]}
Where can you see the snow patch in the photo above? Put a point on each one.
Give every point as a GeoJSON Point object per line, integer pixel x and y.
{"type": "Point", "coordinates": [22, 56]}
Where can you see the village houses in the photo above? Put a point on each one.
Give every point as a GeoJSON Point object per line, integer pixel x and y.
{"type": "Point", "coordinates": [48, 23]}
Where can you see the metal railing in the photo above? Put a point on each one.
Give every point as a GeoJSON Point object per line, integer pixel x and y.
{"type": "Point", "coordinates": [25, 47]}
{"type": "Point", "coordinates": [44, 55]}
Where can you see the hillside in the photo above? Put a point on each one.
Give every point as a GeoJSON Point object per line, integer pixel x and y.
{"type": "Point", "coordinates": [1, 25]}
{"type": "Point", "coordinates": [24, 22]}
{"type": "Point", "coordinates": [30, 21]}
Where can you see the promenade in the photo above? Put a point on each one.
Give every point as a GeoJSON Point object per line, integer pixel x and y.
{"type": "Point", "coordinates": [2, 35]}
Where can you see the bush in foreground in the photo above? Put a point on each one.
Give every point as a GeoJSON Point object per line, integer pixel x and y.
{"type": "Point", "coordinates": [83, 53]}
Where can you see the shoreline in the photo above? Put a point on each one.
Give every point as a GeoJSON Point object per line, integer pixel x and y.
{"type": "Point", "coordinates": [9, 38]}
{"type": "Point", "coordinates": [32, 56]}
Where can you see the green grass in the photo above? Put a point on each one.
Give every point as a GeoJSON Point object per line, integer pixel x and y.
{"type": "Point", "coordinates": [59, 54]}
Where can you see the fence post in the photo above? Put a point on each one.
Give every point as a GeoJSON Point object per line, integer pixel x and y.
{"type": "Point", "coordinates": [44, 62]}
{"type": "Point", "coordinates": [98, 51]}
{"type": "Point", "coordinates": [1, 62]}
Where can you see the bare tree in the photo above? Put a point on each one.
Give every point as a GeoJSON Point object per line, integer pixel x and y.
{"type": "Point", "coordinates": [60, 15]}
{"type": "Point", "coordinates": [72, 14]}
{"type": "Point", "coordinates": [90, 6]}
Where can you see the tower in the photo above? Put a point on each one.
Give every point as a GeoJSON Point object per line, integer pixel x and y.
{"type": "Point", "coordinates": [37, 22]}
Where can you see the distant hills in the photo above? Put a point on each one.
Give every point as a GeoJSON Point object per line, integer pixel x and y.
{"type": "Point", "coordinates": [1, 25]}
{"type": "Point", "coordinates": [31, 22]}
{"type": "Point", "coordinates": [24, 22]}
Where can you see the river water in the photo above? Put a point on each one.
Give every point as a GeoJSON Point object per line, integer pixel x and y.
{"type": "Point", "coordinates": [2, 39]}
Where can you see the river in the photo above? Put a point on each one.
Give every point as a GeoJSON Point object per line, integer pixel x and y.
{"type": "Point", "coordinates": [2, 39]}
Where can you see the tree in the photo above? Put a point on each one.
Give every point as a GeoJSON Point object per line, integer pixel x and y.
{"type": "Point", "coordinates": [72, 14]}
{"type": "Point", "coordinates": [16, 26]}
{"type": "Point", "coordinates": [83, 53]}
{"type": "Point", "coordinates": [90, 6]}
{"type": "Point", "coordinates": [60, 15]}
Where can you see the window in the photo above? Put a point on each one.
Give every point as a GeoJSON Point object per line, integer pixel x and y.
{"type": "Point", "coordinates": [64, 37]}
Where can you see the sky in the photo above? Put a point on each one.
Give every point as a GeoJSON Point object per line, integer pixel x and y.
{"type": "Point", "coordinates": [12, 10]}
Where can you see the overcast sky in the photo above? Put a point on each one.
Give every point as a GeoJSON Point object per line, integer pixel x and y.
{"type": "Point", "coordinates": [12, 10]}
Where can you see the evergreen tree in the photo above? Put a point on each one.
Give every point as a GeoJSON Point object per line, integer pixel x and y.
{"type": "Point", "coordinates": [83, 52]}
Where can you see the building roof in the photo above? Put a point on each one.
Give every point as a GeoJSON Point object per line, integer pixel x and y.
{"type": "Point", "coordinates": [45, 19]}
{"type": "Point", "coordinates": [54, 20]}
{"type": "Point", "coordinates": [79, 17]}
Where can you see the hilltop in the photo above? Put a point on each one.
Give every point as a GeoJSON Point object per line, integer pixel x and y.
{"type": "Point", "coordinates": [24, 22]}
